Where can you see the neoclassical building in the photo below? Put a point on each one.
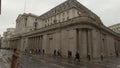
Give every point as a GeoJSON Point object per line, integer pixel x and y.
{"type": "Point", "coordinates": [69, 26]}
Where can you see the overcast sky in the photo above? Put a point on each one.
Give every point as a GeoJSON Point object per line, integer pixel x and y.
{"type": "Point", "coordinates": [107, 10]}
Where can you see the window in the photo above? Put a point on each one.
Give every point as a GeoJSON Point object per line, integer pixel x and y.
{"type": "Point", "coordinates": [55, 21]}
{"type": "Point", "coordinates": [26, 19]}
{"type": "Point", "coordinates": [35, 24]}
{"type": "Point", "coordinates": [35, 19]}
{"type": "Point", "coordinates": [55, 11]}
{"type": "Point", "coordinates": [67, 18]}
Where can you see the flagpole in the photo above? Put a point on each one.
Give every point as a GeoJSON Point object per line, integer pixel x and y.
{"type": "Point", "coordinates": [25, 6]}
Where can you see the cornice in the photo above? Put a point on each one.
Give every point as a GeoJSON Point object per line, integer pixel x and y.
{"type": "Point", "coordinates": [75, 21]}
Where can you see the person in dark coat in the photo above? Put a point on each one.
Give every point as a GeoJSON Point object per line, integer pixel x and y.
{"type": "Point", "coordinates": [39, 51]}
{"type": "Point", "coordinates": [69, 54]}
{"type": "Point", "coordinates": [54, 52]}
{"type": "Point", "coordinates": [77, 56]}
{"type": "Point", "coordinates": [59, 53]}
{"type": "Point", "coordinates": [88, 56]}
{"type": "Point", "coordinates": [43, 51]}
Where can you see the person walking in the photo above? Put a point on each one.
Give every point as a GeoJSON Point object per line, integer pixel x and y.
{"type": "Point", "coordinates": [88, 56]}
{"type": "Point", "coordinates": [55, 52]}
{"type": "Point", "coordinates": [39, 51]}
{"type": "Point", "coordinates": [43, 51]}
{"type": "Point", "coordinates": [15, 56]}
{"type": "Point", "coordinates": [25, 51]}
{"type": "Point", "coordinates": [77, 56]}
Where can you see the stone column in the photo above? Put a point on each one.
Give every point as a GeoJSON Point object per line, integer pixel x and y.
{"type": "Point", "coordinates": [31, 47]}
{"type": "Point", "coordinates": [36, 46]}
{"type": "Point", "coordinates": [38, 39]}
{"type": "Point", "coordinates": [29, 43]}
{"type": "Point", "coordinates": [77, 39]}
{"type": "Point", "coordinates": [84, 38]}
{"type": "Point", "coordinates": [33, 42]}
{"type": "Point", "coordinates": [38, 43]}
{"type": "Point", "coordinates": [41, 38]}
{"type": "Point", "coordinates": [90, 48]}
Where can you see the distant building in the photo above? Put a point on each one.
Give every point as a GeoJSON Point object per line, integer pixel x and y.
{"type": "Point", "coordinates": [6, 37]}
{"type": "Point", "coordinates": [115, 27]}
{"type": "Point", "coordinates": [69, 26]}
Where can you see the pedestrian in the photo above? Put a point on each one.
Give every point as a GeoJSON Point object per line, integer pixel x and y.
{"type": "Point", "coordinates": [39, 51]}
{"type": "Point", "coordinates": [117, 54]}
{"type": "Point", "coordinates": [15, 57]}
{"type": "Point", "coordinates": [25, 51]}
{"type": "Point", "coordinates": [30, 53]}
{"type": "Point", "coordinates": [43, 51]}
{"type": "Point", "coordinates": [101, 56]}
{"type": "Point", "coordinates": [59, 51]}
{"type": "Point", "coordinates": [70, 54]}
{"type": "Point", "coordinates": [88, 56]}
{"type": "Point", "coordinates": [54, 52]}
{"type": "Point", "coordinates": [77, 56]}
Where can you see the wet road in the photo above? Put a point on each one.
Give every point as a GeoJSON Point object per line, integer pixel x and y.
{"type": "Point", "coordinates": [40, 62]}
{"type": "Point", "coordinates": [4, 55]}
{"type": "Point", "coordinates": [52, 62]}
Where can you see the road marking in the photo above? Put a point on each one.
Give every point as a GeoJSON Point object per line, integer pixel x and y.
{"type": "Point", "coordinates": [58, 65]}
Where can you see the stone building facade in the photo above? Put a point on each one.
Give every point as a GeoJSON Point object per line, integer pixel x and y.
{"type": "Point", "coordinates": [69, 26]}
{"type": "Point", "coordinates": [115, 27]}
{"type": "Point", "coordinates": [6, 37]}
{"type": "Point", "coordinates": [27, 22]}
